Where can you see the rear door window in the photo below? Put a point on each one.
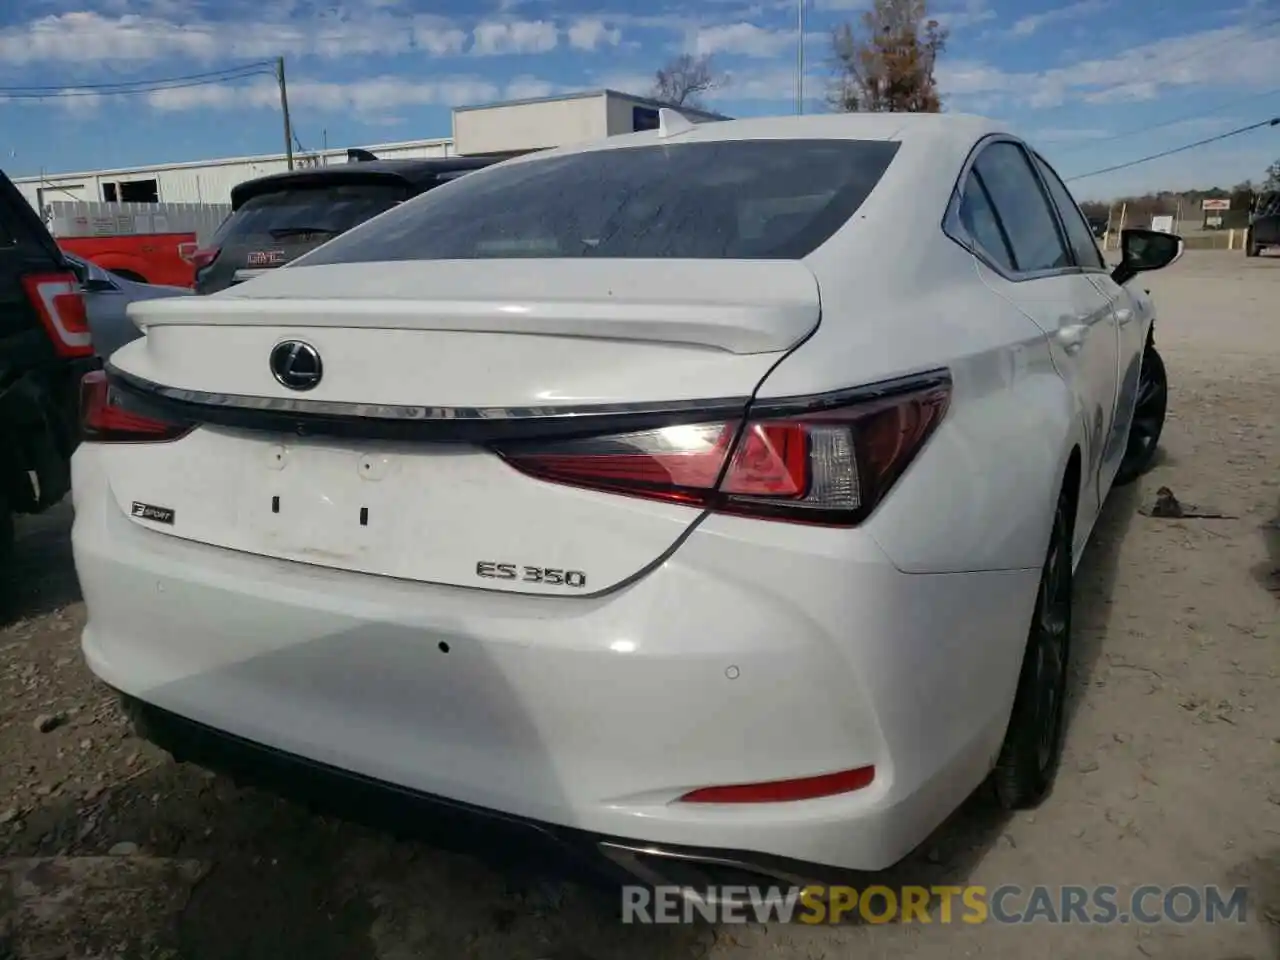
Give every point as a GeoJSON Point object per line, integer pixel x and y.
{"type": "Point", "coordinates": [981, 223]}
{"type": "Point", "coordinates": [306, 215]}
{"type": "Point", "coordinates": [744, 199]}
{"type": "Point", "coordinates": [1023, 208]}
{"type": "Point", "coordinates": [1080, 235]}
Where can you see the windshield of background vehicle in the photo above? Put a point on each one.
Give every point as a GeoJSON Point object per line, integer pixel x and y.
{"type": "Point", "coordinates": [740, 199]}
{"type": "Point", "coordinates": [306, 213]}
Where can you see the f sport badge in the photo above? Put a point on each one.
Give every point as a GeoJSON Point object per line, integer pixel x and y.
{"type": "Point", "coordinates": [147, 511]}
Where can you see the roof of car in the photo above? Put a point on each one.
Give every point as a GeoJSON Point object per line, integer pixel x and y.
{"type": "Point", "coordinates": [415, 172]}
{"type": "Point", "coordinates": [952, 129]}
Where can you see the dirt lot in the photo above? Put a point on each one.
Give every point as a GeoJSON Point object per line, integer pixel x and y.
{"type": "Point", "coordinates": [1172, 772]}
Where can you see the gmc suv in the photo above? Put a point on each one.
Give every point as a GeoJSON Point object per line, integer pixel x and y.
{"type": "Point", "coordinates": [276, 219]}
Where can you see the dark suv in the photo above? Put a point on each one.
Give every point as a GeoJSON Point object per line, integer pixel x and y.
{"type": "Point", "coordinates": [45, 350]}
{"type": "Point", "coordinates": [278, 218]}
{"type": "Point", "coordinates": [1264, 224]}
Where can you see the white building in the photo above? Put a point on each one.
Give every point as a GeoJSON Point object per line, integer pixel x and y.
{"type": "Point", "coordinates": [502, 129]}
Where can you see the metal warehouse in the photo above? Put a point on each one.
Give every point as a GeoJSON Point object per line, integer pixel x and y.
{"type": "Point", "coordinates": [493, 129]}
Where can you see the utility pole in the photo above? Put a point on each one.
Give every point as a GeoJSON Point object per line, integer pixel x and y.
{"type": "Point", "coordinates": [800, 56]}
{"type": "Point", "coordinates": [284, 109]}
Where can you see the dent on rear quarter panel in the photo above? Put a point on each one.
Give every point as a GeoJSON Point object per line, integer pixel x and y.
{"type": "Point", "coordinates": [979, 495]}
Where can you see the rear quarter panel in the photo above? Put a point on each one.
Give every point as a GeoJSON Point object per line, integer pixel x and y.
{"type": "Point", "coordinates": [980, 495]}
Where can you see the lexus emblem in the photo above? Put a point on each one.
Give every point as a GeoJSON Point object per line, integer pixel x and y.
{"type": "Point", "coordinates": [296, 364]}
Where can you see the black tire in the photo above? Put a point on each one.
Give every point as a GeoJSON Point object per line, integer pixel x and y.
{"type": "Point", "coordinates": [1032, 747]}
{"type": "Point", "coordinates": [1150, 409]}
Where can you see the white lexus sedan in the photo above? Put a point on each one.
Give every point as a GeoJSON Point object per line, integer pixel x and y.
{"type": "Point", "coordinates": [705, 496]}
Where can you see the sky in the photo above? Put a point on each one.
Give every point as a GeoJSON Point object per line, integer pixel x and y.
{"type": "Point", "coordinates": [1091, 83]}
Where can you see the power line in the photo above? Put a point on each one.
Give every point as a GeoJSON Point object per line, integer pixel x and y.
{"type": "Point", "coordinates": [1240, 33]}
{"type": "Point", "coordinates": [1273, 122]}
{"type": "Point", "coordinates": [139, 86]}
{"type": "Point", "coordinates": [1165, 123]}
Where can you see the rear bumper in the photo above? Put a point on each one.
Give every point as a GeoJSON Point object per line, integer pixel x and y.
{"type": "Point", "coordinates": [499, 839]}
{"type": "Point", "coordinates": [757, 652]}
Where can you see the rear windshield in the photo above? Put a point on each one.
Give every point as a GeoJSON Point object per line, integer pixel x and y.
{"type": "Point", "coordinates": [307, 212]}
{"type": "Point", "coordinates": [721, 200]}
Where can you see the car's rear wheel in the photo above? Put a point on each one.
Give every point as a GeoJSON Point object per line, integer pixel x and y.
{"type": "Point", "coordinates": [1149, 414]}
{"type": "Point", "coordinates": [1032, 745]}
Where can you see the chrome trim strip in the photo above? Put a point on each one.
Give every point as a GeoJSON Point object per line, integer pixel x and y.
{"type": "Point", "coordinates": [401, 413]}
{"type": "Point", "coordinates": [476, 425]}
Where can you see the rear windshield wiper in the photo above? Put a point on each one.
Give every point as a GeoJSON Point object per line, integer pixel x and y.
{"type": "Point", "coordinates": [281, 232]}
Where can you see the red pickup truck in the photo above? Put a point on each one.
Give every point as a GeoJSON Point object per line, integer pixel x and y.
{"type": "Point", "coordinates": [163, 258]}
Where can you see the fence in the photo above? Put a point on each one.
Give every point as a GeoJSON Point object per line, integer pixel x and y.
{"type": "Point", "coordinates": [91, 218]}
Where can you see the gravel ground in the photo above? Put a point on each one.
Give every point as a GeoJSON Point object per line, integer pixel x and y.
{"type": "Point", "coordinates": [1171, 774]}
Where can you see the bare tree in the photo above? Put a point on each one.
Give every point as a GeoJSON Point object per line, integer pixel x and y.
{"type": "Point", "coordinates": [684, 80]}
{"type": "Point", "coordinates": [887, 63]}
{"type": "Point", "coordinates": [1273, 177]}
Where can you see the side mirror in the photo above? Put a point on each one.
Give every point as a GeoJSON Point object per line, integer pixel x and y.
{"type": "Point", "coordinates": [1143, 250]}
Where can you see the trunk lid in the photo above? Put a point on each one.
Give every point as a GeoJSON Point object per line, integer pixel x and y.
{"type": "Point", "coordinates": [435, 343]}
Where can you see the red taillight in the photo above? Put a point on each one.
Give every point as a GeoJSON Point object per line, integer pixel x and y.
{"type": "Point", "coordinates": [202, 258]}
{"type": "Point", "coordinates": [103, 421]}
{"type": "Point", "coordinates": [828, 467]}
{"type": "Point", "coordinates": [785, 791]}
{"type": "Point", "coordinates": [59, 303]}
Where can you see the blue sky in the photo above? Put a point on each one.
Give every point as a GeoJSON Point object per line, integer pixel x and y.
{"type": "Point", "coordinates": [1085, 80]}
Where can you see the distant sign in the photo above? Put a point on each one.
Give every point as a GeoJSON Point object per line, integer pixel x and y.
{"type": "Point", "coordinates": [1216, 205]}
{"type": "Point", "coordinates": [1163, 224]}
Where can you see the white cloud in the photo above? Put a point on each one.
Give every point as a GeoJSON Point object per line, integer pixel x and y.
{"type": "Point", "coordinates": [530, 88]}
{"type": "Point", "coordinates": [514, 36]}
{"type": "Point", "coordinates": [766, 86]}
{"type": "Point", "coordinates": [439, 40]}
{"type": "Point", "coordinates": [970, 14]}
{"type": "Point", "coordinates": [745, 39]}
{"type": "Point", "coordinates": [843, 5]}
{"type": "Point", "coordinates": [1125, 93]}
{"type": "Point", "coordinates": [1026, 26]}
{"type": "Point", "coordinates": [1068, 134]}
{"type": "Point", "coordinates": [1231, 57]}
{"type": "Point", "coordinates": [85, 38]}
{"type": "Point", "coordinates": [590, 33]}
{"type": "Point", "coordinates": [376, 95]}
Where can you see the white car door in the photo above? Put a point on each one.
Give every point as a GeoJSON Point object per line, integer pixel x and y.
{"type": "Point", "coordinates": [1132, 321]}
{"type": "Point", "coordinates": [1026, 258]}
